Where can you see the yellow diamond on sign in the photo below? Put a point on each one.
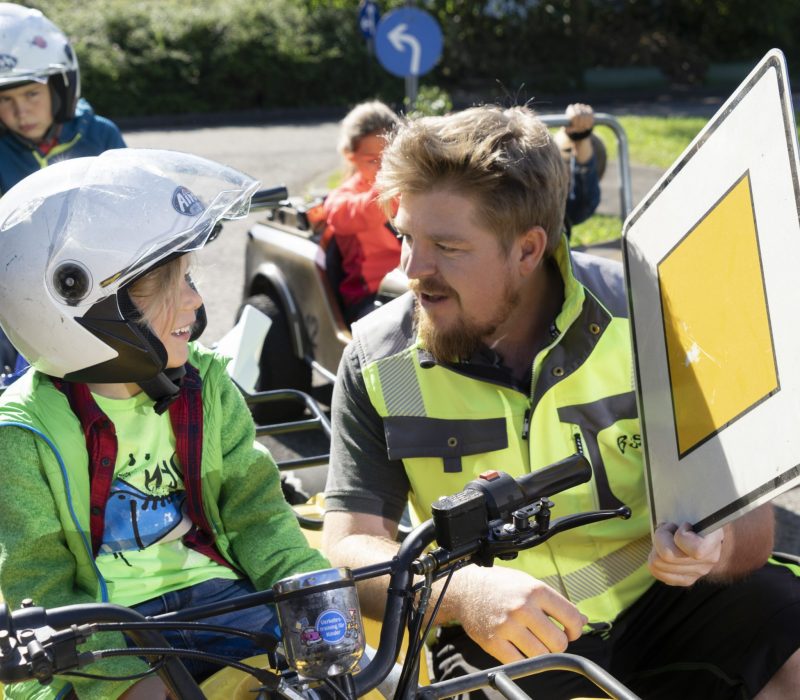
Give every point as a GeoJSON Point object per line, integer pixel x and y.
{"type": "Point", "coordinates": [716, 323]}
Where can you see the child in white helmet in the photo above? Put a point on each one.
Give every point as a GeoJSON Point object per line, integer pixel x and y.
{"type": "Point", "coordinates": [131, 471]}
{"type": "Point", "coordinates": [42, 116]}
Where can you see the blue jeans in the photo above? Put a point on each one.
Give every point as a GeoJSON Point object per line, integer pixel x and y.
{"type": "Point", "coordinates": [262, 618]}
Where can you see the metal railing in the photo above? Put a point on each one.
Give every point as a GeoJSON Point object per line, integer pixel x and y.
{"type": "Point", "coordinates": [623, 160]}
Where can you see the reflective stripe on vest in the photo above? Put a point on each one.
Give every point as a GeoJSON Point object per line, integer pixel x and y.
{"type": "Point", "coordinates": [595, 578]}
{"type": "Point", "coordinates": [401, 389]}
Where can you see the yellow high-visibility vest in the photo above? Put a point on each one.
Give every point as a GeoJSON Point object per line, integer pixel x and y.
{"type": "Point", "coordinates": [448, 426]}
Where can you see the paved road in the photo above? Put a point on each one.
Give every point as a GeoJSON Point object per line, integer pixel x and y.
{"type": "Point", "coordinates": [302, 156]}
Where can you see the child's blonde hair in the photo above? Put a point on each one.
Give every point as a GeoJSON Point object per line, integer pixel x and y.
{"type": "Point", "coordinates": [156, 291]}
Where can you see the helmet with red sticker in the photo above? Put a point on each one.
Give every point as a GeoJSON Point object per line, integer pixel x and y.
{"type": "Point", "coordinates": [34, 50]}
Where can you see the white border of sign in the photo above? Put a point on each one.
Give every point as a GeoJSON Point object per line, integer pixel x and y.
{"type": "Point", "coordinates": [754, 458]}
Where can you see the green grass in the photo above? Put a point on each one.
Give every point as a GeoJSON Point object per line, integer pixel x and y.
{"type": "Point", "coordinates": [596, 229]}
{"type": "Point", "coordinates": [654, 141]}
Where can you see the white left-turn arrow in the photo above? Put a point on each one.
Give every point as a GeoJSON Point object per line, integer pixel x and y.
{"type": "Point", "coordinates": [398, 37]}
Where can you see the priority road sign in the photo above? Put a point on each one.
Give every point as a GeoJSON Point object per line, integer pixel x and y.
{"type": "Point", "coordinates": [408, 42]}
{"type": "Point", "coordinates": [711, 262]}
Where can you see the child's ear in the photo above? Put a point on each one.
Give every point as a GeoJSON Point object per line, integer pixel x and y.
{"type": "Point", "coordinates": [349, 156]}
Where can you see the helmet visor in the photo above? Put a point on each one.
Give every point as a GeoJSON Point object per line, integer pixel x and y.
{"type": "Point", "coordinates": [129, 211]}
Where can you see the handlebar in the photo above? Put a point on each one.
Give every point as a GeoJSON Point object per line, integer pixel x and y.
{"type": "Point", "coordinates": [461, 542]}
{"type": "Point", "coordinates": [498, 495]}
{"type": "Point", "coordinates": [268, 198]}
{"type": "Point", "coordinates": [511, 515]}
{"type": "Point", "coordinates": [27, 632]}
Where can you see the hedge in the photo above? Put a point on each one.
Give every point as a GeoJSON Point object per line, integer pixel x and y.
{"type": "Point", "coordinates": [143, 57]}
{"type": "Point", "coordinates": [169, 56]}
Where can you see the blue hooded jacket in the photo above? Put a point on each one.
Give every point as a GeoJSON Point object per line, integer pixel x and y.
{"type": "Point", "coordinates": [86, 134]}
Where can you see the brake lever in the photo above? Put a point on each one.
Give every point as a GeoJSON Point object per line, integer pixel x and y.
{"type": "Point", "coordinates": [506, 540]}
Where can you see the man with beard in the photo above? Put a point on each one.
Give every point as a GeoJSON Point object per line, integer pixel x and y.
{"type": "Point", "coordinates": [511, 353]}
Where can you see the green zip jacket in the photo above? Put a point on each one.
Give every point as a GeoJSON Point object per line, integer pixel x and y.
{"type": "Point", "coordinates": [45, 551]}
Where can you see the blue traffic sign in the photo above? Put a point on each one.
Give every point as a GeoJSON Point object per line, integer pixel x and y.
{"type": "Point", "coordinates": [368, 16]}
{"type": "Point", "coordinates": [408, 42]}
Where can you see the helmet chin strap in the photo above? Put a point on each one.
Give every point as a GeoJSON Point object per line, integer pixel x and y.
{"type": "Point", "coordinates": [166, 385]}
{"type": "Point", "coordinates": [164, 388]}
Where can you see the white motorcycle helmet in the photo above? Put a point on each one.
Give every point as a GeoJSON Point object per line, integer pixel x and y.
{"type": "Point", "coordinates": [33, 49]}
{"type": "Point", "coordinates": [75, 235]}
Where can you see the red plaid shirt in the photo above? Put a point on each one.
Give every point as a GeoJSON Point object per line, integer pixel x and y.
{"type": "Point", "coordinates": [186, 416]}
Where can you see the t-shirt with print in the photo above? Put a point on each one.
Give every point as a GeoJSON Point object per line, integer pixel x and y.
{"type": "Point", "coordinates": [142, 554]}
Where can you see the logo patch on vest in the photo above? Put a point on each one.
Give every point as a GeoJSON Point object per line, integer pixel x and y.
{"type": "Point", "coordinates": [39, 41]}
{"type": "Point", "coordinates": [633, 441]}
{"type": "Point", "coordinates": [7, 62]}
{"type": "Point", "coordinates": [184, 202]}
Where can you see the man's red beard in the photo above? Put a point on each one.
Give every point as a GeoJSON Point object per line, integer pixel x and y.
{"type": "Point", "coordinates": [463, 337]}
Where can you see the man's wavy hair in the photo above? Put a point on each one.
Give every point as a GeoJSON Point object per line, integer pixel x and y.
{"type": "Point", "coordinates": [503, 159]}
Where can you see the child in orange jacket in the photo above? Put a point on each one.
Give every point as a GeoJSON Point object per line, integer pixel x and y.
{"type": "Point", "coordinates": [368, 246]}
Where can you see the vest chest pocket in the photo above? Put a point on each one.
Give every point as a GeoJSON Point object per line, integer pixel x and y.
{"type": "Point", "coordinates": [413, 436]}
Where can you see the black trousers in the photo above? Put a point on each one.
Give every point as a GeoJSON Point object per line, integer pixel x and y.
{"type": "Point", "coordinates": [705, 642]}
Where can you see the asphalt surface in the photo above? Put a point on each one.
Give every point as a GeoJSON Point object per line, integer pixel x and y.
{"type": "Point", "coordinates": [301, 155]}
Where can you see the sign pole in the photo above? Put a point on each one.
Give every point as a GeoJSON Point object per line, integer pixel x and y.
{"type": "Point", "coordinates": [412, 88]}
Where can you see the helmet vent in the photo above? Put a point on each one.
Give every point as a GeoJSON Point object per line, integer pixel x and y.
{"type": "Point", "coordinates": [72, 282]}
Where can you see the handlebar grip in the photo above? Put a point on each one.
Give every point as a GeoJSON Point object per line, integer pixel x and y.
{"type": "Point", "coordinates": [556, 477]}
{"type": "Point", "coordinates": [503, 494]}
{"type": "Point", "coordinates": [463, 517]}
{"type": "Point", "coordinates": [270, 197]}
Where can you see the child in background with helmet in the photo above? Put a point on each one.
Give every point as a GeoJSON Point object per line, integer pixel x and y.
{"type": "Point", "coordinates": [42, 116]}
{"type": "Point", "coordinates": [130, 468]}
{"type": "Point", "coordinates": [368, 246]}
